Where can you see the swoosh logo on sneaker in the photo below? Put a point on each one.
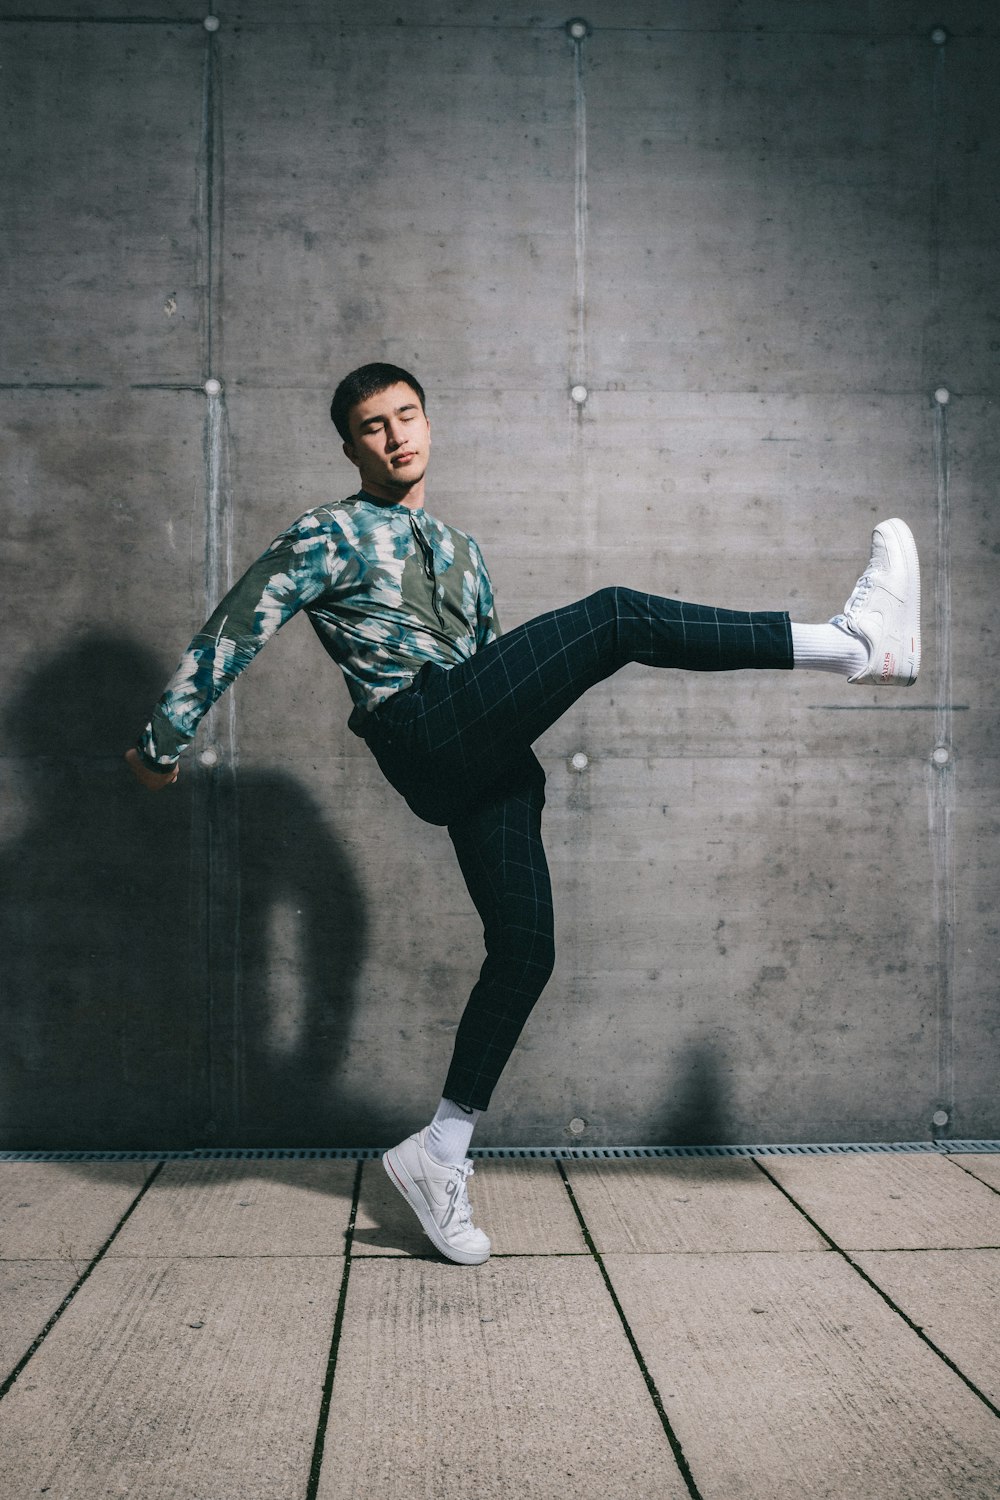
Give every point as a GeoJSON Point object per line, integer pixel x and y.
{"type": "Point", "coordinates": [453, 1190]}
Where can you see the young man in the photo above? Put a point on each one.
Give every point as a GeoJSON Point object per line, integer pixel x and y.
{"type": "Point", "coordinates": [449, 707]}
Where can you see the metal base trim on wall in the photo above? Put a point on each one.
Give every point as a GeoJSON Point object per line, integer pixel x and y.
{"type": "Point", "coordinates": [519, 1153]}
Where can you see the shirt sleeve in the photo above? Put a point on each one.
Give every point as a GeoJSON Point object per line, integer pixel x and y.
{"type": "Point", "coordinates": [294, 571]}
{"type": "Point", "coordinates": [487, 618]}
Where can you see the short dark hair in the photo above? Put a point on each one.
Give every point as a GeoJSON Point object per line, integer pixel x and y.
{"type": "Point", "coordinates": [361, 384]}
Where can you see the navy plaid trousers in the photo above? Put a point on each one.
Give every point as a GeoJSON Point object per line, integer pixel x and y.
{"type": "Point", "coordinates": [457, 746]}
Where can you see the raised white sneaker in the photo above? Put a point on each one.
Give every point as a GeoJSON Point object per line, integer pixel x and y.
{"type": "Point", "coordinates": [884, 609]}
{"type": "Point", "coordinates": [439, 1197]}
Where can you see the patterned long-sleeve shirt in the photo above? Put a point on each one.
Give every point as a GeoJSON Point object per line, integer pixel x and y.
{"type": "Point", "coordinates": [387, 589]}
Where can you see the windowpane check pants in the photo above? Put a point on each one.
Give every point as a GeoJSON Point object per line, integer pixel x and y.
{"type": "Point", "coordinates": [457, 746]}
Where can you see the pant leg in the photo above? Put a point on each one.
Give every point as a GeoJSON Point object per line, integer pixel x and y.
{"type": "Point", "coordinates": [456, 743]}
{"type": "Point", "coordinates": [450, 736]}
{"type": "Point", "coordinates": [499, 849]}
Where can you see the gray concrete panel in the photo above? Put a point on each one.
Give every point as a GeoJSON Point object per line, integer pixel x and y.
{"type": "Point", "coordinates": [176, 1378]}
{"type": "Point", "coordinates": [340, 985]}
{"type": "Point", "coordinates": [785, 1377]}
{"type": "Point", "coordinates": [964, 340]}
{"type": "Point", "coordinates": [64, 1211]}
{"type": "Point", "coordinates": [676, 954]}
{"type": "Point", "coordinates": [292, 981]}
{"type": "Point", "coordinates": [713, 192]}
{"type": "Point", "coordinates": [977, 1018]}
{"type": "Point", "coordinates": [970, 781]}
{"type": "Point", "coordinates": [761, 502]}
{"type": "Point", "coordinates": [966, 17]}
{"type": "Point", "coordinates": [101, 12]}
{"type": "Point", "coordinates": [242, 1208]}
{"type": "Point", "coordinates": [355, 232]}
{"type": "Point", "coordinates": [450, 1384]}
{"type": "Point", "coordinates": [522, 1205]}
{"type": "Point", "coordinates": [102, 240]}
{"type": "Point", "coordinates": [286, 458]}
{"type": "Point", "coordinates": [103, 497]}
{"type": "Point", "coordinates": [103, 501]}
{"type": "Point", "coordinates": [892, 1202]}
{"type": "Point", "coordinates": [812, 183]}
{"type": "Point", "coordinates": [953, 1296]}
{"type": "Point", "coordinates": [668, 1205]}
{"type": "Point", "coordinates": [103, 1027]}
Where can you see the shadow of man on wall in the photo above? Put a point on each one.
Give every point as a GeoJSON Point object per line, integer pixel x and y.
{"type": "Point", "coordinates": [179, 969]}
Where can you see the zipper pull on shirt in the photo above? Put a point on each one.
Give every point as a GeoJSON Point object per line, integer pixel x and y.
{"type": "Point", "coordinates": [426, 551]}
{"type": "Point", "coordinates": [423, 546]}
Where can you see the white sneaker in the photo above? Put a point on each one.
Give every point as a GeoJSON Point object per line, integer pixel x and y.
{"type": "Point", "coordinates": [884, 609]}
{"type": "Point", "coordinates": [439, 1197]}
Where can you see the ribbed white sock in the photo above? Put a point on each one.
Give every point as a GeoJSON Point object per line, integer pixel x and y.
{"type": "Point", "coordinates": [828, 648]}
{"type": "Point", "coordinates": [449, 1133]}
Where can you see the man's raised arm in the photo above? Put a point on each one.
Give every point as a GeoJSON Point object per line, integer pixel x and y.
{"type": "Point", "coordinates": [294, 571]}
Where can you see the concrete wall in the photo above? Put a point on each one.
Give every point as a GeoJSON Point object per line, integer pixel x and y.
{"type": "Point", "coordinates": [762, 235]}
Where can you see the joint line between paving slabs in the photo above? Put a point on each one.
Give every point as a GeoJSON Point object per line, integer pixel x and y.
{"type": "Point", "coordinates": [331, 1364]}
{"type": "Point", "coordinates": [654, 1395]}
{"type": "Point", "coordinates": [969, 1173]}
{"type": "Point", "coordinates": [863, 1274]}
{"type": "Point", "coordinates": [12, 1377]}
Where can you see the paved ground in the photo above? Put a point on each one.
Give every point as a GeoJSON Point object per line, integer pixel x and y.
{"type": "Point", "coordinates": [781, 1327]}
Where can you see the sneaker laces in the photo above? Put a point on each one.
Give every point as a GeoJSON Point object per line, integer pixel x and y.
{"type": "Point", "coordinates": [859, 596]}
{"type": "Point", "coordinates": [458, 1192]}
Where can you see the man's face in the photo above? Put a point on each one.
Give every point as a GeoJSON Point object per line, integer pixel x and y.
{"type": "Point", "coordinates": [391, 444]}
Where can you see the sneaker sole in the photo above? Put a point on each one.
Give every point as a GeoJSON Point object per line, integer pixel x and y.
{"type": "Point", "coordinates": [404, 1184]}
{"type": "Point", "coordinates": [906, 671]}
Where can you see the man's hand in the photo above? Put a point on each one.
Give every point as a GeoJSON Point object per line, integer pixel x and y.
{"type": "Point", "coordinates": [155, 781]}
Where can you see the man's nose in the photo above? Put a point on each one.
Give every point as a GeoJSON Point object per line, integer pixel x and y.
{"type": "Point", "coordinates": [393, 435]}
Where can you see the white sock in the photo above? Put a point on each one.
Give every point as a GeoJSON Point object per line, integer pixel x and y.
{"type": "Point", "coordinates": [449, 1133]}
{"type": "Point", "coordinates": [828, 648]}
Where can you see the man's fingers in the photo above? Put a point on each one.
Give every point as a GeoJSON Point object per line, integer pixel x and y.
{"type": "Point", "coordinates": [155, 781]}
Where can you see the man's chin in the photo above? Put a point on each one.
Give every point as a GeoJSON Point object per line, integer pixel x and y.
{"type": "Point", "coordinates": [392, 486]}
{"type": "Point", "coordinates": [406, 479]}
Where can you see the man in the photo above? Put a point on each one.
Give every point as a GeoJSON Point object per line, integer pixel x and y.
{"type": "Point", "coordinates": [449, 707]}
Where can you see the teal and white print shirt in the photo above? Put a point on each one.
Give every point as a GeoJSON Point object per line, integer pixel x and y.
{"type": "Point", "coordinates": [386, 589]}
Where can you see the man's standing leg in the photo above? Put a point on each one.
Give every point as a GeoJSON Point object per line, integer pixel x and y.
{"type": "Point", "coordinates": [500, 852]}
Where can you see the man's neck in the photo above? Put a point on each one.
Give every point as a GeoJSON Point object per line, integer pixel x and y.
{"type": "Point", "coordinates": [412, 496]}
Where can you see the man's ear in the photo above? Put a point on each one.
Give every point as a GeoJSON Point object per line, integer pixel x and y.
{"type": "Point", "coordinates": [350, 453]}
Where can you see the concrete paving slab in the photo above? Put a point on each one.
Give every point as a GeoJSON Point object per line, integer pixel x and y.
{"type": "Point", "coordinates": [786, 1377]}
{"type": "Point", "coordinates": [243, 1208]}
{"type": "Point", "coordinates": [707, 1203]}
{"type": "Point", "coordinates": [985, 1167]}
{"type": "Point", "coordinates": [176, 1380]}
{"type": "Point", "coordinates": [891, 1202]}
{"type": "Point", "coordinates": [64, 1210]}
{"type": "Point", "coordinates": [30, 1292]}
{"type": "Point", "coordinates": [522, 1205]}
{"type": "Point", "coordinates": [491, 1383]}
{"type": "Point", "coordinates": [954, 1296]}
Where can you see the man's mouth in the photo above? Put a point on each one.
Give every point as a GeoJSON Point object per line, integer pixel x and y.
{"type": "Point", "coordinates": [402, 458]}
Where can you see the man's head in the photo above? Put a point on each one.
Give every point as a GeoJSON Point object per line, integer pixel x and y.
{"type": "Point", "coordinates": [367, 381]}
{"type": "Point", "coordinates": [379, 412]}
